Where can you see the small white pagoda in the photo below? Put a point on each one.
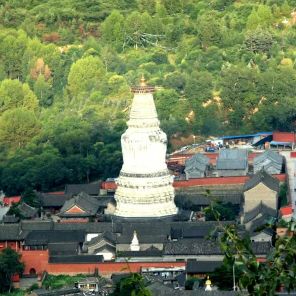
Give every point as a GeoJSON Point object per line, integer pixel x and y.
{"type": "Point", "coordinates": [144, 186]}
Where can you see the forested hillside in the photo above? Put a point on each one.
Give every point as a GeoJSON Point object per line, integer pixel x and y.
{"type": "Point", "coordinates": [221, 66]}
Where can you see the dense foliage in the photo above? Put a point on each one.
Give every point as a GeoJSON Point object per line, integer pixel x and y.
{"type": "Point", "coordinates": [9, 265]}
{"type": "Point", "coordinates": [134, 285]}
{"type": "Point", "coordinates": [258, 278]}
{"type": "Point", "coordinates": [226, 211]}
{"type": "Point", "coordinates": [222, 66]}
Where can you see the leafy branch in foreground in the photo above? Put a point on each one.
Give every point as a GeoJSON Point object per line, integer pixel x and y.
{"type": "Point", "coordinates": [260, 278]}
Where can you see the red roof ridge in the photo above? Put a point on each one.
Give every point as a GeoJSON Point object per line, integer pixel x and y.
{"type": "Point", "coordinates": [286, 210]}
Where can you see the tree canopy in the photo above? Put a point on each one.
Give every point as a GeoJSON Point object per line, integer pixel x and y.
{"type": "Point", "coordinates": [220, 67]}
{"type": "Point", "coordinates": [9, 265]}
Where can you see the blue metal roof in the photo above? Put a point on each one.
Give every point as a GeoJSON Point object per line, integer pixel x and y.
{"type": "Point", "coordinates": [263, 134]}
{"type": "Point", "coordinates": [246, 136]}
{"type": "Point", "coordinates": [281, 143]}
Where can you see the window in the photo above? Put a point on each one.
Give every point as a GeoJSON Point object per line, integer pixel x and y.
{"type": "Point", "coordinates": [82, 286]}
{"type": "Point", "coordinates": [92, 286]}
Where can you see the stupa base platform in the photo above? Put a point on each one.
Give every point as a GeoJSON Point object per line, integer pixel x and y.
{"type": "Point", "coordinates": [145, 210]}
{"type": "Point", "coordinates": [166, 219]}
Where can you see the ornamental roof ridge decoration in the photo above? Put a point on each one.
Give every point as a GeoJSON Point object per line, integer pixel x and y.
{"type": "Point", "coordinates": [143, 87]}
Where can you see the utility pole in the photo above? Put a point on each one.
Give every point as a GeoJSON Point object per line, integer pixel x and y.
{"type": "Point", "coordinates": [233, 274]}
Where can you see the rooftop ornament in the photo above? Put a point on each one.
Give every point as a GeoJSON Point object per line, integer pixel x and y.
{"type": "Point", "coordinates": [208, 285]}
{"type": "Point", "coordinates": [143, 87]}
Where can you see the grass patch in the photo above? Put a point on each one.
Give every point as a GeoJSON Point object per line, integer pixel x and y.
{"type": "Point", "coordinates": [60, 281]}
{"type": "Point", "coordinates": [17, 292]}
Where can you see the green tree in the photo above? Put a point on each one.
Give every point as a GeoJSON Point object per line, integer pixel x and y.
{"type": "Point", "coordinates": [43, 91]}
{"type": "Point", "coordinates": [258, 41]}
{"type": "Point", "coordinates": [30, 198]}
{"type": "Point", "coordinates": [199, 87]}
{"type": "Point", "coordinates": [146, 5]}
{"type": "Point", "coordinates": [164, 98]}
{"type": "Point", "coordinates": [239, 94]}
{"type": "Point", "coordinates": [172, 6]}
{"type": "Point", "coordinates": [258, 278]}
{"type": "Point", "coordinates": [223, 275]}
{"type": "Point", "coordinates": [85, 76]}
{"type": "Point", "coordinates": [261, 17]}
{"type": "Point", "coordinates": [261, 278]}
{"type": "Point", "coordinates": [35, 167]}
{"type": "Point", "coordinates": [113, 30]}
{"type": "Point", "coordinates": [209, 30]}
{"type": "Point", "coordinates": [225, 211]}
{"type": "Point", "coordinates": [18, 127]}
{"type": "Point", "coordinates": [12, 48]}
{"type": "Point", "coordinates": [14, 94]}
{"type": "Point", "coordinates": [9, 265]}
{"type": "Point", "coordinates": [14, 210]}
{"type": "Point", "coordinates": [132, 285]}
{"type": "Point", "coordinates": [222, 4]}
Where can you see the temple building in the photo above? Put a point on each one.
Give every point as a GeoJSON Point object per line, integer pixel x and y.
{"type": "Point", "coordinates": [196, 166]}
{"type": "Point", "coordinates": [270, 161]}
{"type": "Point", "coordinates": [144, 185]}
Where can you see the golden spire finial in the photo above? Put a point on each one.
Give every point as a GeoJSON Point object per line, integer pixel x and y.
{"type": "Point", "coordinates": [143, 81]}
{"type": "Point", "coordinates": [142, 87]}
{"type": "Point", "coordinates": [208, 284]}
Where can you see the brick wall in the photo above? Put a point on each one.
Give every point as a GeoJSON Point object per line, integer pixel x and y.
{"type": "Point", "coordinates": [38, 260]}
{"type": "Point", "coordinates": [107, 268]}
{"type": "Point", "coordinates": [220, 181]}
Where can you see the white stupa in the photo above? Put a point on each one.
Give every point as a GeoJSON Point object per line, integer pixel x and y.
{"type": "Point", "coordinates": [144, 186]}
{"type": "Point", "coordinates": [135, 246]}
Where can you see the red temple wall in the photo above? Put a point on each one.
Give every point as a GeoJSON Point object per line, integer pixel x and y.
{"type": "Point", "coordinates": [38, 260]}
{"type": "Point", "coordinates": [35, 259]}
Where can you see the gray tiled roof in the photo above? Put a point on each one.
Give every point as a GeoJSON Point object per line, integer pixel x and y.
{"type": "Point", "coordinates": [261, 248]}
{"type": "Point", "coordinates": [231, 164]}
{"type": "Point", "coordinates": [143, 239]}
{"type": "Point", "coordinates": [36, 225]}
{"type": "Point", "coordinates": [206, 247]}
{"type": "Point", "coordinates": [202, 199]}
{"type": "Point", "coordinates": [159, 289]}
{"type": "Point", "coordinates": [260, 209]}
{"type": "Point", "coordinates": [192, 247]}
{"type": "Point", "coordinates": [258, 222]}
{"type": "Point", "coordinates": [262, 177]}
{"type": "Point", "coordinates": [107, 236]}
{"type": "Point", "coordinates": [267, 231]}
{"type": "Point", "coordinates": [233, 154]}
{"type": "Point", "coordinates": [57, 249]}
{"type": "Point", "coordinates": [10, 232]}
{"type": "Point", "coordinates": [197, 162]}
{"type": "Point", "coordinates": [91, 189]}
{"type": "Point", "coordinates": [194, 266]}
{"type": "Point", "coordinates": [27, 211]}
{"type": "Point", "coordinates": [53, 200]}
{"type": "Point", "coordinates": [269, 154]}
{"type": "Point", "coordinates": [76, 259]}
{"type": "Point", "coordinates": [146, 228]}
{"type": "Point", "coordinates": [91, 227]}
{"type": "Point", "coordinates": [88, 204]}
{"type": "Point", "coordinates": [38, 237]}
{"type": "Point", "coordinates": [151, 252]}
{"type": "Point", "coordinates": [232, 159]}
{"type": "Point", "coordinates": [10, 219]}
{"type": "Point", "coordinates": [194, 229]}
{"type": "Point", "coordinates": [270, 161]}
